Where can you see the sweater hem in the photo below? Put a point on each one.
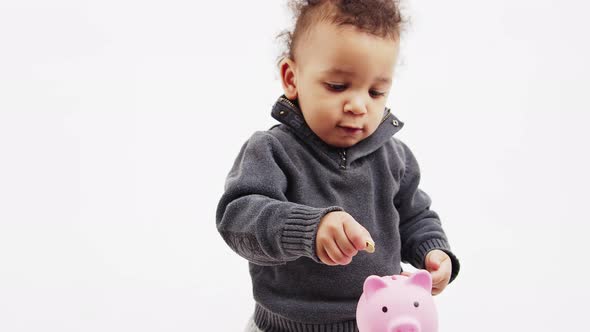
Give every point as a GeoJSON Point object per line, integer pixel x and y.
{"type": "Point", "coordinates": [269, 321]}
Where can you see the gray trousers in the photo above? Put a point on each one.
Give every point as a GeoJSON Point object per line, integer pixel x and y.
{"type": "Point", "coordinates": [251, 326]}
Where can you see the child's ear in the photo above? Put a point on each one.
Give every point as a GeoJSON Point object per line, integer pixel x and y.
{"type": "Point", "coordinates": [287, 69]}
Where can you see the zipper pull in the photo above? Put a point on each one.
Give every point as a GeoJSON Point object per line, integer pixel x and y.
{"type": "Point", "coordinates": [343, 159]}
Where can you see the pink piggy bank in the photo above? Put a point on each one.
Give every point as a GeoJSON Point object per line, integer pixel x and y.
{"type": "Point", "coordinates": [397, 304]}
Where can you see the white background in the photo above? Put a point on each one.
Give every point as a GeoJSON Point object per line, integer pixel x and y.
{"type": "Point", "coordinates": [119, 121]}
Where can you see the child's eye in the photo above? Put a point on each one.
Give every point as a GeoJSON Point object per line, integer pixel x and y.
{"type": "Point", "coordinates": [336, 87]}
{"type": "Point", "coordinates": [375, 93]}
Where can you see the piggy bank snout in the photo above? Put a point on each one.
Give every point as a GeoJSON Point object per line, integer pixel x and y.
{"type": "Point", "coordinates": [405, 325]}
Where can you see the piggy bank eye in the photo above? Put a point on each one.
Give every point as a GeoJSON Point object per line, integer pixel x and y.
{"type": "Point", "coordinates": [416, 304]}
{"type": "Point", "coordinates": [384, 309]}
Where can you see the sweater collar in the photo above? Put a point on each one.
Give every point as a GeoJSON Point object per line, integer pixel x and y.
{"type": "Point", "coordinates": [288, 112]}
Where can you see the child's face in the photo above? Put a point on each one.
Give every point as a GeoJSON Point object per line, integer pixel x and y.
{"type": "Point", "coordinates": [341, 79]}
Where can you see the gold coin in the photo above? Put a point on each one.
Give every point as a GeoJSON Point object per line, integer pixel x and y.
{"type": "Point", "coordinates": [370, 247]}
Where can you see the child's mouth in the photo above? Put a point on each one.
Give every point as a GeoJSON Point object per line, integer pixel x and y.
{"type": "Point", "coordinates": [351, 130]}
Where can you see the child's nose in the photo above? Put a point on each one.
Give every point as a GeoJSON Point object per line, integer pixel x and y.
{"type": "Point", "coordinates": [355, 106]}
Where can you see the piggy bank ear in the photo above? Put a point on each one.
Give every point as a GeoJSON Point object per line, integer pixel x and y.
{"type": "Point", "coordinates": [373, 284]}
{"type": "Point", "coordinates": [422, 279]}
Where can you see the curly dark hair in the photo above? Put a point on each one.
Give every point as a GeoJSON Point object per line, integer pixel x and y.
{"type": "Point", "coordinates": [377, 17]}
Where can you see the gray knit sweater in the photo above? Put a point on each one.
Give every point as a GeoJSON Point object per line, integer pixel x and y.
{"type": "Point", "coordinates": [284, 180]}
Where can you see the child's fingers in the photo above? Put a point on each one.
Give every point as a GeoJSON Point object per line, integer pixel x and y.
{"type": "Point", "coordinates": [357, 234]}
{"type": "Point", "coordinates": [324, 257]}
{"type": "Point", "coordinates": [346, 247]}
{"type": "Point", "coordinates": [335, 254]}
{"type": "Point", "coordinates": [438, 264]}
{"type": "Point", "coordinates": [435, 291]}
{"type": "Point", "coordinates": [441, 277]}
{"type": "Point", "coordinates": [437, 277]}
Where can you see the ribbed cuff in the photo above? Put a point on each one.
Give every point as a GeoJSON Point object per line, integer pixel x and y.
{"type": "Point", "coordinates": [299, 232]}
{"type": "Point", "coordinates": [441, 244]}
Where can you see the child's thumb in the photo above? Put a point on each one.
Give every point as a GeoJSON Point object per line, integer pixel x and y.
{"type": "Point", "coordinates": [433, 260]}
{"type": "Point", "coordinates": [358, 235]}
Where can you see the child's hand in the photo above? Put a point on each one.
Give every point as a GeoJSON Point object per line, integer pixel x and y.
{"type": "Point", "coordinates": [438, 263]}
{"type": "Point", "coordinates": [340, 238]}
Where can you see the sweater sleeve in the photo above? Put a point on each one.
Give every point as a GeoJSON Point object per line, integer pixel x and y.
{"type": "Point", "coordinates": [254, 216]}
{"type": "Point", "coordinates": [420, 227]}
